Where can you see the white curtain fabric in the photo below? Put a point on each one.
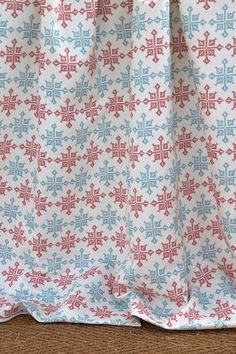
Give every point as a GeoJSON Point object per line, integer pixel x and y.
{"type": "Point", "coordinates": [118, 162]}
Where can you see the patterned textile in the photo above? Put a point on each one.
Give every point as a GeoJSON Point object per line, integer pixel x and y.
{"type": "Point", "coordinates": [118, 161]}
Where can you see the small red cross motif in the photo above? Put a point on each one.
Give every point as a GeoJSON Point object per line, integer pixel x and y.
{"type": "Point", "coordinates": [212, 150]}
{"type": "Point", "coordinates": [41, 112]}
{"type": "Point", "coordinates": [154, 47]}
{"type": "Point", "coordinates": [208, 100]}
{"type": "Point", "coordinates": [44, 7]}
{"type": "Point", "coordinates": [140, 252]}
{"type": "Point", "coordinates": [68, 242]}
{"type": "Point", "coordinates": [164, 201]}
{"type": "Point", "coordinates": [66, 279]}
{"type": "Point", "coordinates": [67, 113]}
{"type": "Point", "coordinates": [178, 44]}
{"type": "Point", "coordinates": [232, 151]}
{"type": "Point", "coordinates": [136, 203]}
{"type": "Point", "coordinates": [9, 103]}
{"type": "Point", "coordinates": [170, 249]}
{"type": "Point", "coordinates": [13, 54]}
{"type": "Point", "coordinates": [188, 187]}
{"type": "Point", "coordinates": [160, 151]}
{"type": "Point", "coordinates": [193, 232]}
{"type": "Point", "coordinates": [228, 269]}
{"type": "Point", "coordinates": [232, 100]}
{"type": "Point", "coordinates": [4, 188]}
{"type": "Point", "coordinates": [68, 203]}
{"type": "Point", "coordinates": [110, 56]}
{"type": "Point", "coordinates": [76, 301]}
{"type": "Point", "coordinates": [232, 46]}
{"type": "Point", "coordinates": [12, 274]}
{"type": "Point", "coordinates": [134, 102]}
{"type": "Point", "coordinates": [68, 160]}
{"type": "Point", "coordinates": [6, 146]}
{"type": "Point", "coordinates": [37, 278]}
{"type": "Point", "coordinates": [41, 203]}
{"type": "Point", "coordinates": [116, 104]}
{"type": "Point", "coordinates": [129, 4]}
{"type": "Point", "coordinates": [157, 100]}
{"type": "Point", "coordinates": [119, 194]}
{"type": "Point", "coordinates": [118, 150]}
{"type": "Point", "coordinates": [182, 93]}
{"type": "Point", "coordinates": [15, 6]}
{"type": "Point", "coordinates": [120, 240]}
{"type": "Point", "coordinates": [223, 310]}
{"type": "Point", "coordinates": [134, 153]}
{"type": "Point", "coordinates": [64, 12]}
{"type": "Point", "coordinates": [91, 109]}
{"type": "Point", "coordinates": [203, 275]}
{"type": "Point", "coordinates": [185, 141]}
{"type": "Point", "coordinates": [68, 63]}
{"type": "Point", "coordinates": [114, 286]}
{"type": "Point", "coordinates": [177, 295]}
{"type": "Point", "coordinates": [25, 192]}
{"type": "Point", "coordinates": [40, 245]}
{"type": "Point", "coordinates": [18, 234]}
{"type": "Point", "coordinates": [93, 196]}
{"type": "Point", "coordinates": [93, 154]}
{"type": "Point", "coordinates": [95, 238]}
{"type": "Point", "coordinates": [40, 58]}
{"type": "Point", "coordinates": [206, 48]}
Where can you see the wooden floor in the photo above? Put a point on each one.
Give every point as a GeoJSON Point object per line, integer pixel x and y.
{"type": "Point", "coordinates": [25, 335]}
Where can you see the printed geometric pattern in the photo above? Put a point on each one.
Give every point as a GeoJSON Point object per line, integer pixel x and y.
{"type": "Point", "coordinates": [118, 162]}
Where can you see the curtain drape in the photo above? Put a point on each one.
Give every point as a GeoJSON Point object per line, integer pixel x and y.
{"type": "Point", "coordinates": [118, 161]}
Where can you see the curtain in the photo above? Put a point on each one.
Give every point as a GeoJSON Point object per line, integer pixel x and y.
{"type": "Point", "coordinates": [118, 162]}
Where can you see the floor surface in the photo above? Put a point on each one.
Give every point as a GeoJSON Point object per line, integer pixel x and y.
{"type": "Point", "coordinates": [25, 335]}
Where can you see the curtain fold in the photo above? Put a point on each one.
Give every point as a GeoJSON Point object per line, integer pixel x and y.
{"type": "Point", "coordinates": [117, 160]}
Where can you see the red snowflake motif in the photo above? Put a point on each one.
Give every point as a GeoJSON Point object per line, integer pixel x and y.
{"type": "Point", "coordinates": [147, 293]}
{"type": "Point", "coordinates": [111, 56]}
{"type": "Point", "coordinates": [15, 6]}
{"type": "Point", "coordinates": [44, 7]}
{"type": "Point", "coordinates": [65, 13]}
{"type": "Point", "coordinates": [120, 195]}
{"type": "Point", "coordinates": [25, 192]}
{"type": "Point", "coordinates": [40, 245]}
{"type": "Point", "coordinates": [91, 64]}
{"type": "Point", "coordinates": [230, 200]}
{"type": "Point", "coordinates": [203, 275]}
{"type": "Point", "coordinates": [136, 203]}
{"type": "Point", "coordinates": [212, 188]}
{"type": "Point", "coordinates": [65, 280]}
{"type": "Point", "coordinates": [12, 274]}
{"type": "Point", "coordinates": [13, 54]}
{"type": "Point", "coordinates": [91, 273]}
{"type": "Point", "coordinates": [95, 8]}
{"type": "Point", "coordinates": [3, 187]}
{"type": "Point", "coordinates": [133, 102]}
{"type": "Point", "coordinates": [169, 250]}
{"type": "Point", "coordinates": [76, 301]}
{"type": "Point", "coordinates": [206, 48]}
{"type": "Point", "coordinates": [68, 63]}
{"type": "Point", "coordinates": [68, 203]}
{"type": "Point", "coordinates": [13, 311]}
{"type": "Point", "coordinates": [212, 150]}
{"type": "Point", "coordinates": [134, 153]}
{"type": "Point", "coordinates": [95, 238]}
{"type": "Point", "coordinates": [192, 314]}
{"type": "Point", "coordinates": [120, 240]}
{"type": "Point", "coordinates": [67, 113]}
{"type": "Point", "coordinates": [229, 269]}
{"type": "Point", "coordinates": [232, 100]}
{"type": "Point", "coordinates": [154, 46]}
{"type": "Point", "coordinates": [208, 100]}
{"type": "Point", "coordinates": [188, 187]}
{"type": "Point", "coordinates": [5, 147]}
{"type": "Point", "coordinates": [160, 151]}
{"type": "Point", "coordinates": [9, 103]}
{"type": "Point", "coordinates": [41, 112]}
{"type": "Point", "coordinates": [178, 44]}
{"type": "Point", "coordinates": [157, 100]}
{"type": "Point", "coordinates": [164, 201]}
{"type": "Point", "coordinates": [40, 59]}
{"type": "Point", "coordinates": [68, 242]}
{"type": "Point", "coordinates": [37, 278]}
{"type": "Point", "coordinates": [118, 150]}
{"type": "Point", "coordinates": [116, 104]}
{"type": "Point", "coordinates": [232, 151]}
{"type": "Point", "coordinates": [102, 313]}
{"type": "Point", "coordinates": [41, 203]}
{"type": "Point", "coordinates": [93, 196]}
{"type": "Point", "coordinates": [216, 228]}
{"type": "Point", "coordinates": [33, 151]}
{"type": "Point", "coordinates": [206, 3]}
{"type": "Point", "coordinates": [68, 160]}
{"type": "Point", "coordinates": [193, 232]}
{"type": "Point", "coordinates": [177, 295]}
{"type": "Point", "coordinates": [232, 46]}
{"type": "Point", "coordinates": [140, 252]}
{"type": "Point", "coordinates": [129, 4]}
{"type": "Point", "coordinates": [223, 310]}
{"type": "Point", "coordinates": [114, 285]}
{"type": "Point", "coordinates": [18, 234]}
{"type": "Point", "coordinates": [182, 93]}
{"type": "Point", "coordinates": [91, 109]}
{"type": "Point", "coordinates": [92, 154]}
